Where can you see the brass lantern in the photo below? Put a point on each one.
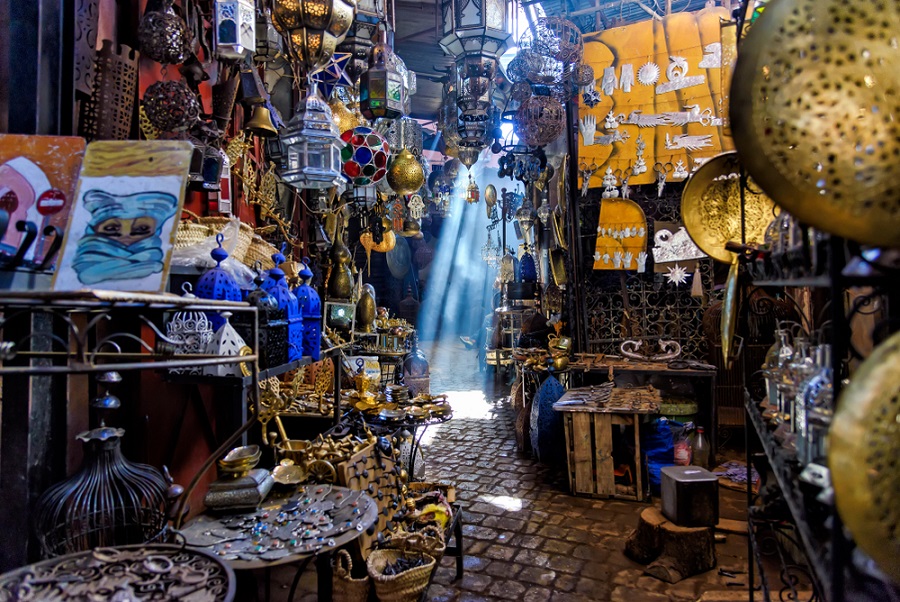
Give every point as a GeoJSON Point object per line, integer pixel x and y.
{"type": "Point", "coordinates": [405, 176]}
{"type": "Point", "coordinates": [473, 195]}
{"type": "Point", "coordinates": [312, 145]}
{"type": "Point", "coordinates": [381, 87]}
{"type": "Point", "coordinates": [313, 28]}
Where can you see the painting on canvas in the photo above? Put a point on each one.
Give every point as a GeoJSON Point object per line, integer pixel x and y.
{"type": "Point", "coordinates": [122, 226]}
{"type": "Point", "coordinates": [37, 184]}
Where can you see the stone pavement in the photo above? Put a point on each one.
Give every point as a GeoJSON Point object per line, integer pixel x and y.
{"type": "Point", "coordinates": [526, 538]}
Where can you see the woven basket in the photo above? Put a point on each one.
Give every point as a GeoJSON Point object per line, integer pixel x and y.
{"type": "Point", "coordinates": [344, 587]}
{"type": "Point", "coordinates": [260, 251]}
{"type": "Point", "coordinates": [190, 232]}
{"type": "Point", "coordinates": [429, 540]}
{"type": "Point", "coordinates": [245, 233]}
{"type": "Point", "coordinates": [405, 587]}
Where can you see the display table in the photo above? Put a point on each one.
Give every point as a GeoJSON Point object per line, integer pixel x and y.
{"type": "Point", "coordinates": [141, 572]}
{"type": "Point", "coordinates": [295, 528]}
{"type": "Point", "coordinates": [589, 415]}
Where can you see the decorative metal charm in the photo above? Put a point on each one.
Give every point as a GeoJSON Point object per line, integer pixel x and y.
{"type": "Point", "coordinates": [712, 56]}
{"type": "Point", "coordinates": [692, 115]}
{"type": "Point", "coordinates": [632, 349]}
{"type": "Point", "coordinates": [688, 142]}
{"type": "Point", "coordinates": [416, 207]}
{"type": "Point", "coordinates": [676, 72]}
{"type": "Point", "coordinates": [677, 275]}
{"type": "Point", "coordinates": [642, 121]}
{"type": "Point", "coordinates": [610, 183]}
{"type": "Point", "coordinates": [670, 247]}
{"type": "Point", "coordinates": [681, 171]}
{"type": "Point", "coordinates": [626, 79]}
{"type": "Point", "coordinates": [164, 36]}
{"type": "Point", "coordinates": [640, 164]}
{"type": "Point", "coordinates": [171, 106]}
{"type": "Point", "coordinates": [609, 82]}
{"type": "Point", "coordinates": [591, 97]}
{"type": "Point", "coordinates": [611, 121]}
{"type": "Point", "coordinates": [662, 172]}
{"type": "Point", "coordinates": [610, 139]}
{"type": "Point", "coordinates": [586, 172]}
{"type": "Point", "coordinates": [648, 74]}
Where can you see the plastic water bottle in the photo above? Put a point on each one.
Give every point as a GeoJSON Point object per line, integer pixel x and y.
{"type": "Point", "coordinates": [700, 449]}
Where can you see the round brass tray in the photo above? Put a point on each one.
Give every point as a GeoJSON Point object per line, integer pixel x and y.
{"type": "Point", "coordinates": [711, 207]}
{"type": "Point", "coordinates": [863, 446]}
{"type": "Point", "coordinates": [815, 114]}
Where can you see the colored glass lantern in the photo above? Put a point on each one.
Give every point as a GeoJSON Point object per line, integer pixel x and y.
{"type": "Point", "coordinates": [235, 28]}
{"type": "Point", "coordinates": [312, 146]}
{"type": "Point", "coordinates": [527, 268]}
{"type": "Point", "coordinates": [361, 37]}
{"type": "Point", "coordinates": [312, 28]}
{"type": "Point", "coordinates": [473, 195]}
{"type": "Point", "coordinates": [365, 155]}
{"type": "Point", "coordinates": [311, 313]}
{"type": "Point", "coordinates": [217, 284]}
{"type": "Point", "coordinates": [381, 86]}
{"type": "Point", "coordinates": [276, 285]}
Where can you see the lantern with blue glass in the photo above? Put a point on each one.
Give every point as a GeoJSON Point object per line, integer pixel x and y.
{"type": "Point", "coordinates": [217, 284]}
{"type": "Point", "coordinates": [273, 327]}
{"type": "Point", "coordinates": [277, 286]}
{"type": "Point", "coordinates": [235, 30]}
{"type": "Point", "coordinates": [527, 267]}
{"type": "Point", "coordinates": [311, 311]}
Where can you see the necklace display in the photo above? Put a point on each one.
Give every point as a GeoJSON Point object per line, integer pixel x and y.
{"type": "Point", "coordinates": [316, 517]}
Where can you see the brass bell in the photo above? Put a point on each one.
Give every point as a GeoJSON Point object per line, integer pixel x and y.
{"type": "Point", "coordinates": [260, 123]}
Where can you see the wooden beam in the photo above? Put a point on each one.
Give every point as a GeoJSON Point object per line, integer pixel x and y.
{"type": "Point", "coordinates": [412, 36]}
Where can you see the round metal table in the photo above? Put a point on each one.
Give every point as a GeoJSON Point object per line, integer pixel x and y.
{"type": "Point", "coordinates": [136, 572]}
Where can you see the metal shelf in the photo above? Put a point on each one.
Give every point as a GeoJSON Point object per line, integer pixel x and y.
{"type": "Point", "coordinates": [238, 381]}
{"type": "Point", "coordinates": [786, 473]}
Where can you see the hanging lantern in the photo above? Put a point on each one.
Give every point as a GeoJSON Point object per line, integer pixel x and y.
{"type": "Point", "coordinates": [313, 146]}
{"type": "Point", "coordinates": [217, 284]}
{"type": "Point", "coordinates": [472, 27]}
{"type": "Point", "coordinates": [469, 156]}
{"type": "Point", "coordinates": [361, 37]}
{"type": "Point", "coordinates": [312, 28]}
{"type": "Point", "coordinates": [170, 106]}
{"type": "Point", "coordinates": [473, 195]}
{"type": "Point", "coordinates": [310, 312]}
{"type": "Point", "coordinates": [234, 28]}
{"type": "Point", "coordinates": [192, 330]}
{"type": "Point", "coordinates": [543, 212]}
{"type": "Point", "coordinates": [406, 133]}
{"type": "Point", "coordinates": [405, 176]}
{"type": "Point", "coordinates": [272, 325]}
{"type": "Point", "coordinates": [226, 343]}
{"type": "Point", "coordinates": [540, 120]}
{"type": "Point", "coordinates": [269, 45]}
{"type": "Point", "coordinates": [381, 87]}
{"type": "Point", "coordinates": [527, 267]}
{"type": "Point", "coordinates": [342, 116]}
{"type": "Point", "coordinates": [163, 36]}
{"type": "Point", "coordinates": [365, 155]}
{"type": "Point", "coordinates": [276, 285]}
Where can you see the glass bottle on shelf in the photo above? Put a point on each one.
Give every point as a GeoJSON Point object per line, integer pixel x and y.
{"type": "Point", "coordinates": [700, 449]}
{"type": "Point", "coordinates": [819, 413]}
{"type": "Point", "coordinates": [818, 378]}
{"type": "Point", "coordinates": [774, 362]}
{"type": "Point", "coordinates": [803, 368]}
{"type": "Point", "coordinates": [790, 378]}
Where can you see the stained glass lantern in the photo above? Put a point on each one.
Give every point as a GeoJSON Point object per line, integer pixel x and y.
{"type": "Point", "coordinates": [217, 284]}
{"type": "Point", "coordinates": [473, 195]}
{"type": "Point", "coordinates": [381, 87]}
{"type": "Point", "coordinates": [312, 28]}
{"type": "Point", "coordinates": [225, 343]}
{"type": "Point", "coordinates": [192, 330]}
{"type": "Point", "coordinates": [365, 155]}
{"type": "Point", "coordinates": [269, 45]}
{"type": "Point", "coordinates": [235, 28]}
{"type": "Point", "coordinates": [313, 146]}
{"type": "Point", "coordinates": [527, 267]}
{"type": "Point", "coordinates": [276, 285]}
{"type": "Point", "coordinates": [310, 312]}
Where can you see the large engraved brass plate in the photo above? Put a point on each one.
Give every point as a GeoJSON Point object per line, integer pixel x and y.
{"type": "Point", "coordinates": [863, 451]}
{"type": "Point", "coordinates": [711, 207]}
{"type": "Point", "coordinates": [815, 113]}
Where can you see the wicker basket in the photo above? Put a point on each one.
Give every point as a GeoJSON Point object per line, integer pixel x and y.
{"type": "Point", "coordinates": [344, 587]}
{"type": "Point", "coordinates": [405, 587]}
{"type": "Point", "coordinates": [191, 232]}
{"type": "Point", "coordinates": [429, 540]}
{"type": "Point", "coordinates": [245, 233]}
{"type": "Point", "coordinates": [260, 251]}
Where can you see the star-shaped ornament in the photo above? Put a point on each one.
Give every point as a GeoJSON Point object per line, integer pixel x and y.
{"type": "Point", "coordinates": [333, 75]}
{"type": "Point", "coordinates": [677, 275]}
{"type": "Point", "coordinates": [591, 98]}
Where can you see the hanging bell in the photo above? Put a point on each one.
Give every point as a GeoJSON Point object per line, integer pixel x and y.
{"type": "Point", "coordinates": [260, 123]}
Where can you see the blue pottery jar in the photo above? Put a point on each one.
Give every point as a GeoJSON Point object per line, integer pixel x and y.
{"type": "Point", "coordinates": [310, 312]}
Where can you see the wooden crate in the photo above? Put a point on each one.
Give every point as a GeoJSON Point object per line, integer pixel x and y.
{"type": "Point", "coordinates": [589, 442]}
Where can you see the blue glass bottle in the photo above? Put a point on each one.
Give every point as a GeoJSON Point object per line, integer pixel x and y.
{"type": "Point", "coordinates": [311, 313]}
{"type": "Point", "coordinates": [527, 268]}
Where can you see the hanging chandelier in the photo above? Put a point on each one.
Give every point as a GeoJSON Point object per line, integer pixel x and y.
{"type": "Point", "coordinates": [312, 29]}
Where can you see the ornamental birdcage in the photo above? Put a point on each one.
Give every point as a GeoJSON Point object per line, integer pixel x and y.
{"type": "Point", "coordinates": [110, 501]}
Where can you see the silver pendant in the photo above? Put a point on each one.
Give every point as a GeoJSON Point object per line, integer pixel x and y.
{"type": "Point", "coordinates": [681, 171]}
{"type": "Point", "coordinates": [688, 142]}
{"type": "Point", "coordinates": [678, 77]}
{"type": "Point", "coordinates": [648, 74]}
{"type": "Point", "coordinates": [712, 56]}
{"type": "Point", "coordinates": [626, 79]}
